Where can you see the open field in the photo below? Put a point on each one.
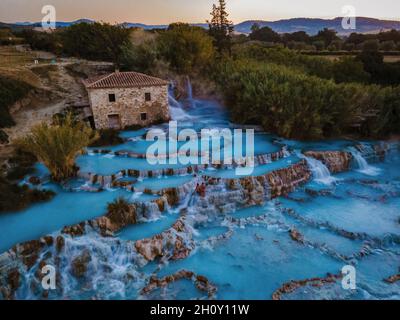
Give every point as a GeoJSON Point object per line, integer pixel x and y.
{"type": "Point", "coordinates": [14, 63]}
{"type": "Point", "coordinates": [11, 57]}
{"type": "Point", "coordinates": [333, 57]}
{"type": "Point", "coordinates": [390, 59]}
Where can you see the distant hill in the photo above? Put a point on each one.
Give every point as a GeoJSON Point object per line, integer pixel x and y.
{"type": "Point", "coordinates": [312, 26]}
{"type": "Point", "coordinates": [309, 25]}
{"type": "Point", "coordinates": [144, 26]}
{"type": "Point", "coordinates": [59, 24]}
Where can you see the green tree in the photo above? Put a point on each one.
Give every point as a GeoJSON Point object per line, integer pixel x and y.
{"type": "Point", "coordinates": [327, 36]}
{"type": "Point", "coordinates": [265, 34]}
{"type": "Point", "coordinates": [389, 45]}
{"type": "Point", "coordinates": [299, 36]}
{"type": "Point", "coordinates": [220, 27]}
{"type": "Point", "coordinates": [371, 45]}
{"type": "Point", "coordinates": [141, 57]}
{"type": "Point", "coordinates": [186, 48]}
{"type": "Point", "coordinates": [255, 27]}
{"type": "Point", "coordinates": [320, 45]}
{"type": "Point", "coordinates": [96, 41]}
{"type": "Point", "coordinates": [58, 145]}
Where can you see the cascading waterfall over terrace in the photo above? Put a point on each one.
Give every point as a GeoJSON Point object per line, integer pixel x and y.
{"type": "Point", "coordinates": [362, 163]}
{"type": "Point", "coordinates": [321, 173]}
{"type": "Point", "coordinates": [302, 234]}
{"type": "Point", "coordinates": [177, 111]}
{"type": "Point", "coordinates": [87, 259]}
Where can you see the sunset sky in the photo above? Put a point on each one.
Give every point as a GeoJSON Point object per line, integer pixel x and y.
{"type": "Point", "coordinates": [166, 11]}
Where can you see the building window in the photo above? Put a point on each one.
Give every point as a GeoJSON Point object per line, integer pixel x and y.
{"type": "Point", "coordinates": [111, 97]}
{"type": "Point", "coordinates": [143, 116]}
{"type": "Point", "coordinates": [147, 96]}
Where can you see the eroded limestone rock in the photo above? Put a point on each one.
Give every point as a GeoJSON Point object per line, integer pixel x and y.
{"type": "Point", "coordinates": [175, 243]}
{"type": "Point", "coordinates": [201, 282]}
{"type": "Point", "coordinates": [335, 161]}
{"type": "Point", "coordinates": [392, 279]}
{"type": "Point", "coordinates": [80, 264]}
{"type": "Point", "coordinates": [292, 286]}
{"type": "Point", "coordinates": [296, 235]}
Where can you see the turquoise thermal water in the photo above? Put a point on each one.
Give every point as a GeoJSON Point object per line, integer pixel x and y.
{"type": "Point", "coordinates": [258, 256]}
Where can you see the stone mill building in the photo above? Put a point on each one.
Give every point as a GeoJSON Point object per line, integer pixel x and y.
{"type": "Point", "coordinates": [122, 99]}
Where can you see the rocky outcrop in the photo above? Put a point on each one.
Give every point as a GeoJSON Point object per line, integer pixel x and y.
{"type": "Point", "coordinates": [74, 231]}
{"type": "Point", "coordinates": [13, 279]}
{"type": "Point", "coordinates": [80, 264]}
{"type": "Point", "coordinates": [117, 219]}
{"type": "Point", "coordinates": [335, 161]}
{"type": "Point", "coordinates": [292, 286]}
{"type": "Point", "coordinates": [201, 282]}
{"type": "Point", "coordinates": [285, 180]}
{"type": "Point", "coordinates": [227, 195]}
{"type": "Point", "coordinates": [151, 248]}
{"type": "Point", "coordinates": [60, 243]}
{"type": "Point", "coordinates": [175, 243]}
{"type": "Point", "coordinates": [296, 236]}
{"type": "Point", "coordinates": [392, 279]}
{"type": "Point", "coordinates": [114, 221]}
{"type": "Point", "coordinates": [17, 261]}
{"type": "Point", "coordinates": [28, 252]}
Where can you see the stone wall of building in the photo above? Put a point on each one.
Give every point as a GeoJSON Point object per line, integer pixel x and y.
{"type": "Point", "coordinates": [129, 104]}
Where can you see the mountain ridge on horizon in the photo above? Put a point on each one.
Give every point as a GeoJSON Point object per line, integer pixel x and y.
{"type": "Point", "coordinates": [290, 25]}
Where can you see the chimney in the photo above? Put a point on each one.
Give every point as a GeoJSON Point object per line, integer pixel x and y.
{"type": "Point", "coordinates": [116, 70]}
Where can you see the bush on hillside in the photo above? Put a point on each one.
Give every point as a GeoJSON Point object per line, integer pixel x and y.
{"type": "Point", "coordinates": [11, 90]}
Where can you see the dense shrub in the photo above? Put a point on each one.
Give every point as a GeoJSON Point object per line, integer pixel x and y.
{"type": "Point", "coordinates": [21, 163]}
{"type": "Point", "coordinates": [367, 67]}
{"type": "Point", "coordinates": [293, 104]}
{"type": "Point", "coordinates": [95, 41]}
{"type": "Point", "coordinates": [46, 41]}
{"type": "Point", "coordinates": [58, 145]}
{"type": "Point", "coordinates": [11, 90]}
{"type": "Point", "coordinates": [186, 48]}
{"type": "Point", "coordinates": [3, 137]}
{"type": "Point", "coordinates": [380, 72]}
{"type": "Point", "coordinates": [141, 57]}
{"type": "Point", "coordinates": [265, 34]}
{"type": "Point", "coordinates": [14, 197]}
{"type": "Point", "coordinates": [119, 210]}
{"type": "Point", "coordinates": [348, 69]}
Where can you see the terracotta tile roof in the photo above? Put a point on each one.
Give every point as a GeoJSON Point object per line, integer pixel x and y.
{"type": "Point", "coordinates": [124, 80]}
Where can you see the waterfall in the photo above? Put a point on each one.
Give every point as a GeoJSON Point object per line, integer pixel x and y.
{"type": "Point", "coordinates": [362, 164]}
{"type": "Point", "coordinates": [189, 92]}
{"type": "Point", "coordinates": [176, 110]}
{"type": "Point", "coordinates": [320, 171]}
{"type": "Point", "coordinates": [96, 254]}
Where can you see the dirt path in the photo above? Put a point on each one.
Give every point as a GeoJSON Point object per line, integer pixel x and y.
{"type": "Point", "coordinates": [59, 83]}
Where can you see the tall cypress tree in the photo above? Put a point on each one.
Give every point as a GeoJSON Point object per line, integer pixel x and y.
{"type": "Point", "coordinates": [220, 27]}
